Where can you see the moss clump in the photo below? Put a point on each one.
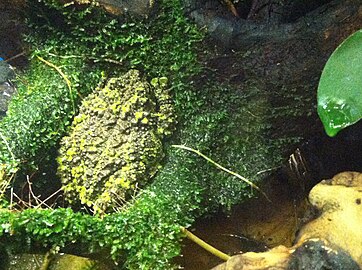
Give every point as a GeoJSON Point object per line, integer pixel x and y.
{"type": "Point", "coordinates": [115, 142]}
{"type": "Point", "coordinates": [40, 112]}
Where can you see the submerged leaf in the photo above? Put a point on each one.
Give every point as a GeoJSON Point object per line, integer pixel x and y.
{"type": "Point", "coordinates": [340, 86]}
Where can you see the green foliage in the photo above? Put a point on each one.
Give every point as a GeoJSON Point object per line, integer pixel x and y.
{"type": "Point", "coordinates": [233, 128]}
{"type": "Point", "coordinates": [161, 46]}
{"type": "Point", "coordinates": [115, 142]}
{"type": "Point", "coordinates": [140, 237]}
{"type": "Point", "coordinates": [339, 90]}
{"type": "Point", "coordinates": [63, 35]}
{"type": "Point", "coordinates": [41, 111]}
{"type": "Point", "coordinates": [146, 235]}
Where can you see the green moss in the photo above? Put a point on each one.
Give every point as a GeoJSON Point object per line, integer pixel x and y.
{"type": "Point", "coordinates": [62, 35]}
{"type": "Point", "coordinates": [147, 234]}
{"type": "Point", "coordinates": [41, 111]}
{"type": "Point", "coordinates": [232, 126]}
{"type": "Point", "coordinates": [141, 237]}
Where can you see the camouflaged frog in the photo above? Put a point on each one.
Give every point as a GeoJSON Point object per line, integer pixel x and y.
{"type": "Point", "coordinates": [115, 143]}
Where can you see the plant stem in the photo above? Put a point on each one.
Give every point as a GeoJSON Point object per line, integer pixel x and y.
{"type": "Point", "coordinates": [46, 262]}
{"type": "Point", "coordinates": [222, 168]}
{"type": "Point", "coordinates": [64, 77]}
{"type": "Point", "coordinates": [205, 245]}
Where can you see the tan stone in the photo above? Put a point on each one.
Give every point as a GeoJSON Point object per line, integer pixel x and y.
{"type": "Point", "coordinates": [339, 202]}
{"type": "Point", "coordinates": [340, 223]}
{"type": "Point", "coordinates": [274, 259]}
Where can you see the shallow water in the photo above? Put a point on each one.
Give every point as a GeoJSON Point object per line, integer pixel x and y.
{"type": "Point", "coordinates": [254, 226]}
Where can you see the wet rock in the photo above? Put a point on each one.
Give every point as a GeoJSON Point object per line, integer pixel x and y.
{"type": "Point", "coordinates": [59, 262]}
{"type": "Point", "coordinates": [7, 89]}
{"type": "Point", "coordinates": [333, 240]}
{"type": "Point", "coordinates": [66, 261]}
{"type": "Point", "coordinates": [316, 255]}
{"type": "Point", "coordinates": [6, 72]}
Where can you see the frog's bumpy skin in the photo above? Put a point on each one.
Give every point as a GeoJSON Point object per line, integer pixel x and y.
{"type": "Point", "coordinates": [115, 142]}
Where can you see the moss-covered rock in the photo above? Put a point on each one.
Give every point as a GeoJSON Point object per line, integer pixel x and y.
{"type": "Point", "coordinates": [115, 142]}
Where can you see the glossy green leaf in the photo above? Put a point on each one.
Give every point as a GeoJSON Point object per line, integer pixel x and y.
{"type": "Point", "coordinates": [340, 86]}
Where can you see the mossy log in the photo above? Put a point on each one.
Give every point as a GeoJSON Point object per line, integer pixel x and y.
{"type": "Point", "coordinates": [281, 63]}
{"type": "Point", "coordinates": [295, 19]}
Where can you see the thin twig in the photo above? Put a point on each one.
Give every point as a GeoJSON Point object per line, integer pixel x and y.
{"type": "Point", "coordinates": [46, 261]}
{"type": "Point", "coordinates": [5, 180]}
{"type": "Point", "coordinates": [59, 71]}
{"type": "Point", "coordinates": [14, 57]}
{"type": "Point", "coordinates": [36, 260]}
{"type": "Point", "coordinates": [63, 76]}
{"type": "Point", "coordinates": [20, 200]}
{"type": "Point", "coordinates": [205, 245]}
{"type": "Point", "coordinates": [43, 202]}
{"type": "Point", "coordinates": [31, 193]}
{"type": "Point", "coordinates": [66, 56]}
{"type": "Point", "coordinates": [267, 170]}
{"type": "Point", "coordinates": [109, 60]}
{"type": "Point", "coordinates": [232, 8]}
{"type": "Point", "coordinates": [222, 168]}
{"type": "Point", "coordinates": [11, 197]}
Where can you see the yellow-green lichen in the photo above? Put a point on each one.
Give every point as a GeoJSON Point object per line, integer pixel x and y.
{"type": "Point", "coordinates": [115, 143]}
